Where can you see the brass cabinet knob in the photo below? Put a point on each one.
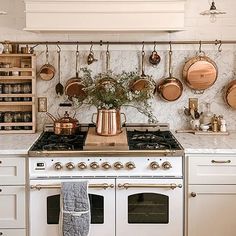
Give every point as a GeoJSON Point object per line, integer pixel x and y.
{"type": "Point", "coordinates": [70, 165]}
{"type": "Point", "coordinates": [193, 194]}
{"type": "Point", "coordinates": [82, 165]}
{"type": "Point", "coordinates": [130, 165]}
{"type": "Point", "coordinates": [94, 165]}
{"type": "Point", "coordinates": [118, 165]}
{"type": "Point", "coordinates": [58, 166]}
{"type": "Point", "coordinates": [106, 165]}
{"type": "Point", "coordinates": [154, 165]}
{"type": "Point", "coordinates": [166, 165]}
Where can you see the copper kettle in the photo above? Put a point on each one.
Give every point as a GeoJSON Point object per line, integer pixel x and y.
{"type": "Point", "coordinates": [108, 122]}
{"type": "Point", "coordinates": [64, 125]}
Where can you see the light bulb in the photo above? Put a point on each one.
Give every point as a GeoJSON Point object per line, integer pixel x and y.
{"type": "Point", "coordinates": [212, 18]}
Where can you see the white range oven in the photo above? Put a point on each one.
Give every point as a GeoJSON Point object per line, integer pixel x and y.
{"type": "Point", "coordinates": [128, 195]}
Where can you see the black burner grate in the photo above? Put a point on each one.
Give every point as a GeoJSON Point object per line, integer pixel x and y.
{"type": "Point", "coordinates": [152, 140]}
{"type": "Point", "coordinates": [49, 141]}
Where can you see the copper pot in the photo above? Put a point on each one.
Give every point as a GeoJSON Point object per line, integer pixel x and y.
{"type": "Point", "coordinates": [64, 125]}
{"type": "Point", "coordinates": [200, 73]}
{"type": "Point", "coordinates": [170, 88]}
{"type": "Point", "coordinates": [230, 94]}
{"type": "Point", "coordinates": [108, 122]}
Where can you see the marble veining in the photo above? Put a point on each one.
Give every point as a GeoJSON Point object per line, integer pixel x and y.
{"type": "Point", "coordinates": [167, 112]}
{"type": "Point", "coordinates": [207, 144]}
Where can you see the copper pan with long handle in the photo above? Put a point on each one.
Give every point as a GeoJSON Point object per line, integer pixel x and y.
{"type": "Point", "coordinates": [170, 89]}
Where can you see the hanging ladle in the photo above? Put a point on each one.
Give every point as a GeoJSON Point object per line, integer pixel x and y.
{"type": "Point", "coordinates": [59, 87]}
{"type": "Point", "coordinates": [91, 58]}
{"type": "Point", "coordinates": [154, 58]}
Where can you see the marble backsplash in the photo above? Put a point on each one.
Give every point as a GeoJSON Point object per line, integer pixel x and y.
{"type": "Point", "coordinates": [166, 112]}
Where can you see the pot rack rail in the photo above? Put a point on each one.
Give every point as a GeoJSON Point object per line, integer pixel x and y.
{"type": "Point", "coordinates": [101, 43]}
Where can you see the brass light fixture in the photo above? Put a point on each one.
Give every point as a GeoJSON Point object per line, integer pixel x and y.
{"type": "Point", "coordinates": [212, 12]}
{"type": "Point", "coordinates": [3, 12]}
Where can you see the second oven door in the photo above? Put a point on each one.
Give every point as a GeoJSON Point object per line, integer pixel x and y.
{"type": "Point", "coordinates": [148, 207]}
{"type": "Point", "coordinates": [45, 208]}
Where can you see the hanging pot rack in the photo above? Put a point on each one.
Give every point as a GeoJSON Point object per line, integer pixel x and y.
{"type": "Point", "coordinates": [101, 43]}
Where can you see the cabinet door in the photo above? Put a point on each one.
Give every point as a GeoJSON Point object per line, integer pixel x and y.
{"type": "Point", "coordinates": [12, 171]}
{"type": "Point", "coordinates": [212, 210]}
{"type": "Point", "coordinates": [12, 232]}
{"type": "Point", "coordinates": [12, 207]}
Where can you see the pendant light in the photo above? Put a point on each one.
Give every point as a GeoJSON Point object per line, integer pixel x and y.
{"type": "Point", "coordinates": [3, 13]}
{"type": "Point", "coordinates": [213, 12]}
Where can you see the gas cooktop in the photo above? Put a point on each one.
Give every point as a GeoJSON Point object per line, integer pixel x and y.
{"type": "Point", "coordinates": [152, 140]}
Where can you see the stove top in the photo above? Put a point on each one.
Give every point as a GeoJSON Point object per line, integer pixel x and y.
{"type": "Point", "coordinates": [49, 141]}
{"type": "Point", "coordinates": [152, 140]}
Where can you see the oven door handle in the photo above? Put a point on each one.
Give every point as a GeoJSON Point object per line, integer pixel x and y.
{"type": "Point", "coordinates": [127, 185]}
{"type": "Point", "coordinates": [44, 186]}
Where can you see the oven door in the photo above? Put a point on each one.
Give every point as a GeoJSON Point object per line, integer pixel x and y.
{"type": "Point", "coordinates": [45, 207]}
{"type": "Point", "coordinates": [149, 207]}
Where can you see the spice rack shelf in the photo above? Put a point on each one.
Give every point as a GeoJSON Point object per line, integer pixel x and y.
{"type": "Point", "coordinates": [17, 93]}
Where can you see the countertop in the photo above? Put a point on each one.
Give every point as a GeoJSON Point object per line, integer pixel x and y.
{"type": "Point", "coordinates": [18, 144]}
{"type": "Point", "coordinates": [21, 143]}
{"type": "Point", "coordinates": [195, 143]}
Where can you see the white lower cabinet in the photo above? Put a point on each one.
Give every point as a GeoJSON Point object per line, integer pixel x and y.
{"type": "Point", "coordinates": [12, 232]}
{"type": "Point", "coordinates": [212, 210]}
{"type": "Point", "coordinates": [12, 207]}
{"type": "Point", "coordinates": [211, 195]}
{"type": "Point", "coordinates": [12, 196]}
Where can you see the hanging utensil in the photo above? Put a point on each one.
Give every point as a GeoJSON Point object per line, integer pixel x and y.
{"type": "Point", "coordinates": [59, 87]}
{"type": "Point", "coordinates": [170, 88]}
{"type": "Point", "coordinates": [230, 94]}
{"type": "Point", "coordinates": [47, 71]}
{"type": "Point", "coordinates": [143, 83]}
{"type": "Point", "coordinates": [154, 58]}
{"type": "Point", "coordinates": [200, 72]}
{"type": "Point", "coordinates": [91, 58]}
{"type": "Point", "coordinates": [74, 86]}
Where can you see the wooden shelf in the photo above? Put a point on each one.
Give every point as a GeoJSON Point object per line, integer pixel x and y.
{"type": "Point", "coordinates": [20, 77]}
{"type": "Point", "coordinates": [17, 124]}
{"type": "Point", "coordinates": [25, 63]}
{"type": "Point", "coordinates": [20, 103]}
{"type": "Point", "coordinates": [16, 69]}
{"type": "Point", "coordinates": [17, 55]}
{"type": "Point", "coordinates": [13, 95]}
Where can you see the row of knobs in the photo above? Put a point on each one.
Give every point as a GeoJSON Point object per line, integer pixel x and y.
{"type": "Point", "coordinates": [106, 165]}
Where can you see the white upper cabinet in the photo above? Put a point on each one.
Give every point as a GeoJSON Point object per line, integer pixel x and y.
{"type": "Point", "coordinates": [105, 15]}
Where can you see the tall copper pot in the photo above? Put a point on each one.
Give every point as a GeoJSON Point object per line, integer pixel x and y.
{"type": "Point", "coordinates": [108, 122]}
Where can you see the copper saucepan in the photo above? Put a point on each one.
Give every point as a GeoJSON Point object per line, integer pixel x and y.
{"type": "Point", "coordinates": [47, 71]}
{"type": "Point", "coordinates": [230, 94]}
{"type": "Point", "coordinates": [170, 88]}
{"type": "Point", "coordinates": [200, 72]}
{"type": "Point", "coordinates": [74, 87]}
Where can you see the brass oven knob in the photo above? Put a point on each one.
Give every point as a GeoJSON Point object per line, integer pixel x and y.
{"type": "Point", "coordinates": [154, 165]}
{"type": "Point", "coordinates": [94, 165]}
{"type": "Point", "coordinates": [82, 165]}
{"type": "Point", "coordinates": [58, 166]}
{"type": "Point", "coordinates": [166, 165]}
{"type": "Point", "coordinates": [118, 165]}
{"type": "Point", "coordinates": [106, 165]}
{"type": "Point", "coordinates": [70, 165]}
{"type": "Point", "coordinates": [130, 165]}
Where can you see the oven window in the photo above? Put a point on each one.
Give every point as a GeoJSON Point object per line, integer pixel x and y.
{"type": "Point", "coordinates": [96, 207]}
{"type": "Point", "coordinates": [148, 208]}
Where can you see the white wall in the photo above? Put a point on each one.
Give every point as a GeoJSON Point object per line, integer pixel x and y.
{"type": "Point", "coordinates": [128, 58]}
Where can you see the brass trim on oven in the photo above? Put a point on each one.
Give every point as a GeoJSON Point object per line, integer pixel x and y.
{"type": "Point", "coordinates": [42, 186]}
{"type": "Point", "coordinates": [127, 185]}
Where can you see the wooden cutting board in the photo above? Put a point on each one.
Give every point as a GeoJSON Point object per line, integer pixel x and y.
{"type": "Point", "coordinates": [98, 142]}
